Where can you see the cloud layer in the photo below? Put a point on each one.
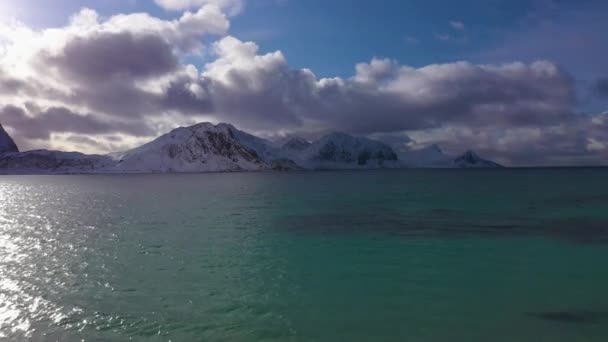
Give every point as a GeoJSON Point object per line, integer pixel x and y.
{"type": "Point", "coordinates": [97, 85]}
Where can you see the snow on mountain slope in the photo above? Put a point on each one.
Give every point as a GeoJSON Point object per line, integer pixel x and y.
{"type": "Point", "coordinates": [52, 162]}
{"type": "Point", "coordinates": [217, 148]}
{"type": "Point", "coordinates": [296, 144]}
{"type": "Point", "coordinates": [200, 148]}
{"type": "Point", "coordinates": [46, 162]}
{"type": "Point", "coordinates": [343, 151]}
{"type": "Point", "coordinates": [293, 148]}
{"type": "Point", "coordinates": [470, 159]}
{"type": "Point", "coordinates": [264, 148]}
{"type": "Point", "coordinates": [7, 145]}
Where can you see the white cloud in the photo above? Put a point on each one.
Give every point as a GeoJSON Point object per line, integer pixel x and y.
{"type": "Point", "coordinates": [411, 40]}
{"type": "Point", "coordinates": [443, 37]}
{"type": "Point", "coordinates": [121, 80]}
{"type": "Point", "coordinates": [457, 25]}
{"type": "Point", "coordinates": [232, 7]}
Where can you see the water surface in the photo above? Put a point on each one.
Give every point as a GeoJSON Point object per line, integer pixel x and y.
{"type": "Point", "coordinates": [416, 255]}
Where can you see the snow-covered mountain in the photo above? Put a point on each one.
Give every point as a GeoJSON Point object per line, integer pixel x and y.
{"type": "Point", "coordinates": [52, 162]}
{"type": "Point", "coordinates": [343, 151]}
{"type": "Point", "coordinates": [223, 148]}
{"type": "Point", "coordinates": [431, 156]}
{"type": "Point", "coordinates": [7, 145]}
{"type": "Point", "coordinates": [200, 148]}
{"type": "Point", "coordinates": [470, 159]}
{"type": "Point", "coordinates": [264, 148]}
{"type": "Point", "coordinates": [295, 144]}
{"type": "Point", "coordinates": [46, 162]}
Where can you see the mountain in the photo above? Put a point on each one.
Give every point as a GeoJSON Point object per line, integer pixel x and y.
{"type": "Point", "coordinates": [295, 144]}
{"type": "Point", "coordinates": [470, 159]}
{"type": "Point", "coordinates": [7, 145]}
{"type": "Point", "coordinates": [285, 165]}
{"type": "Point", "coordinates": [431, 156]}
{"type": "Point", "coordinates": [223, 148]}
{"type": "Point", "coordinates": [200, 148]}
{"type": "Point", "coordinates": [52, 162]}
{"type": "Point", "coordinates": [264, 148]}
{"type": "Point", "coordinates": [343, 151]}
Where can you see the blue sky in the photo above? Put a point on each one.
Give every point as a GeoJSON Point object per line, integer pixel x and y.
{"type": "Point", "coordinates": [478, 59]}
{"type": "Point", "coordinates": [330, 37]}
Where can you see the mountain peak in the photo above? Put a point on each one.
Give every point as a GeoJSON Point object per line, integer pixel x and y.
{"type": "Point", "coordinates": [296, 144]}
{"type": "Point", "coordinates": [435, 148]}
{"type": "Point", "coordinates": [336, 135]}
{"type": "Point", "coordinates": [470, 159]}
{"type": "Point", "coordinates": [199, 148]}
{"type": "Point", "coordinates": [342, 148]}
{"type": "Point", "coordinates": [470, 155]}
{"type": "Point", "coordinates": [209, 147]}
{"type": "Point", "coordinates": [208, 126]}
{"type": "Point", "coordinates": [7, 145]}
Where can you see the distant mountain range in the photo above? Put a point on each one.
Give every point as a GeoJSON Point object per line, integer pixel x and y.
{"type": "Point", "coordinates": [223, 148]}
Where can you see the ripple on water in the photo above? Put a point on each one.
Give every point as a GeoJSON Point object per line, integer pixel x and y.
{"type": "Point", "coordinates": [115, 258]}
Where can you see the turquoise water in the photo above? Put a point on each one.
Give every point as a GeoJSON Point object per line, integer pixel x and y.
{"type": "Point", "coordinates": [412, 255]}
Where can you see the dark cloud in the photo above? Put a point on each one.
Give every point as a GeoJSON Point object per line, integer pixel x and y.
{"type": "Point", "coordinates": [390, 98]}
{"type": "Point", "coordinates": [181, 98]}
{"type": "Point", "coordinates": [105, 56]}
{"type": "Point", "coordinates": [122, 99]}
{"type": "Point", "coordinates": [131, 82]}
{"type": "Point", "coordinates": [275, 97]}
{"type": "Point", "coordinates": [601, 87]}
{"type": "Point", "coordinates": [10, 85]}
{"type": "Point", "coordinates": [63, 120]}
{"type": "Point", "coordinates": [13, 86]}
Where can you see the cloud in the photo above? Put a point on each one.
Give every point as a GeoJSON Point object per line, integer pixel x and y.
{"type": "Point", "coordinates": [443, 37]}
{"type": "Point", "coordinates": [579, 141]}
{"type": "Point", "coordinates": [411, 40]}
{"type": "Point", "coordinates": [600, 87]}
{"type": "Point", "coordinates": [233, 7]}
{"type": "Point", "coordinates": [9, 85]}
{"type": "Point", "coordinates": [105, 84]}
{"type": "Point", "coordinates": [457, 25]}
{"type": "Point", "coordinates": [383, 95]}
{"type": "Point", "coordinates": [553, 29]}
{"type": "Point", "coordinates": [103, 56]}
{"type": "Point", "coordinates": [119, 71]}
{"type": "Point", "coordinates": [42, 123]}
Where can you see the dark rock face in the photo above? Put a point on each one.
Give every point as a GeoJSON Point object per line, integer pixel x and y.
{"type": "Point", "coordinates": [470, 159]}
{"type": "Point", "coordinates": [296, 144]}
{"type": "Point", "coordinates": [7, 145]}
{"type": "Point", "coordinates": [343, 148]}
{"type": "Point", "coordinates": [285, 165]}
{"type": "Point", "coordinates": [226, 145]}
{"type": "Point", "coordinates": [332, 152]}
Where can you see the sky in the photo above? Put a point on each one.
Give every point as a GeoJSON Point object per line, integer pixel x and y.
{"type": "Point", "coordinates": [521, 82]}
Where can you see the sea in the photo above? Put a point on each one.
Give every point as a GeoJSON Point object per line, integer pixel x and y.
{"type": "Point", "coordinates": [389, 255]}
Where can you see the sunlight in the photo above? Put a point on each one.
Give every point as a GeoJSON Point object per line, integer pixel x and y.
{"type": "Point", "coordinates": [10, 9]}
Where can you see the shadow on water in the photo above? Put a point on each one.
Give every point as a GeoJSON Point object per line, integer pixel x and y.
{"type": "Point", "coordinates": [577, 317]}
{"type": "Point", "coordinates": [572, 201]}
{"type": "Point", "coordinates": [443, 223]}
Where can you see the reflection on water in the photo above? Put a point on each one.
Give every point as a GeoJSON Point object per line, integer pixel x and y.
{"type": "Point", "coordinates": [40, 256]}
{"type": "Point", "coordinates": [18, 302]}
{"type": "Point", "coordinates": [408, 255]}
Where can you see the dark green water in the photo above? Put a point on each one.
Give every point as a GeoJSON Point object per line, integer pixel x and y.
{"type": "Point", "coordinates": [420, 255]}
